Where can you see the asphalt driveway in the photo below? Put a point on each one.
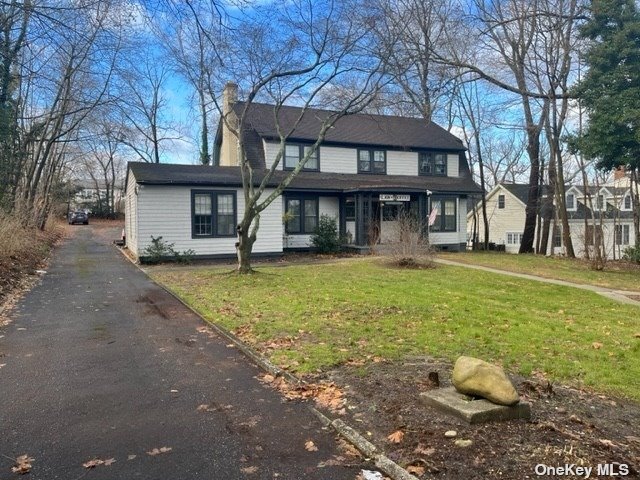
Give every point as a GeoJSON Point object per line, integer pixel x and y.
{"type": "Point", "coordinates": [100, 363]}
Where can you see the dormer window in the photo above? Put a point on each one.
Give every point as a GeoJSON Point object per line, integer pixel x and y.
{"type": "Point", "coordinates": [626, 205]}
{"type": "Point", "coordinates": [432, 163]}
{"type": "Point", "coordinates": [293, 154]}
{"type": "Point", "coordinates": [571, 201]}
{"type": "Point", "coordinates": [600, 205]}
{"type": "Point", "coordinates": [372, 161]}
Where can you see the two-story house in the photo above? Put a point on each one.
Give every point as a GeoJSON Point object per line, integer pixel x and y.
{"type": "Point", "coordinates": [600, 215]}
{"type": "Point", "coordinates": [366, 170]}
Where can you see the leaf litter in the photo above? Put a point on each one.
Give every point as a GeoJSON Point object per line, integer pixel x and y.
{"type": "Point", "coordinates": [23, 464]}
{"type": "Point", "coordinates": [325, 394]}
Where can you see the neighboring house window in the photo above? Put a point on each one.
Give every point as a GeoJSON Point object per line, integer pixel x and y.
{"type": "Point", "coordinates": [213, 214]}
{"type": "Point", "coordinates": [622, 234]}
{"type": "Point", "coordinates": [592, 234]}
{"type": "Point", "coordinates": [557, 235]}
{"type": "Point", "coordinates": [514, 238]}
{"type": "Point", "coordinates": [571, 201]}
{"type": "Point", "coordinates": [446, 216]}
{"type": "Point", "coordinates": [627, 202]}
{"type": "Point", "coordinates": [432, 163]}
{"type": "Point", "coordinates": [500, 201]}
{"type": "Point", "coordinates": [600, 202]}
{"type": "Point", "coordinates": [293, 154]}
{"type": "Point", "coordinates": [372, 161]}
{"type": "Point", "coordinates": [301, 214]}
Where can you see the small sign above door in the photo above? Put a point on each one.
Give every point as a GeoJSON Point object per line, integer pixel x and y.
{"type": "Point", "coordinates": [388, 197]}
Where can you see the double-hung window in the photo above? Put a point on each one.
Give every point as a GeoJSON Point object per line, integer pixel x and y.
{"type": "Point", "coordinates": [213, 213]}
{"type": "Point", "coordinates": [294, 154]}
{"type": "Point", "coordinates": [446, 214]}
{"type": "Point", "coordinates": [501, 201]}
{"type": "Point", "coordinates": [571, 201]}
{"type": "Point", "coordinates": [514, 238]}
{"type": "Point", "coordinates": [372, 161]}
{"type": "Point", "coordinates": [432, 163]}
{"type": "Point", "coordinates": [626, 204]}
{"type": "Point", "coordinates": [301, 215]}
{"type": "Point", "coordinates": [622, 234]}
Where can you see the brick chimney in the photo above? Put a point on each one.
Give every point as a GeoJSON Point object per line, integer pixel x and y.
{"type": "Point", "coordinates": [229, 149]}
{"type": "Point", "coordinates": [619, 173]}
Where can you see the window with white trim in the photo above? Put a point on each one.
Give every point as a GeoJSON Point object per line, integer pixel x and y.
{"type": "Point", "coordinates": [571, 201]}
{"type": "Point", "coordinates": [514, 238]}
{"type": "Point", "coordinates": [622, 234]}
{"type": "Point", "coordinates": [501, 201]}
{"type": "Point", "coordinates": [626, 204]}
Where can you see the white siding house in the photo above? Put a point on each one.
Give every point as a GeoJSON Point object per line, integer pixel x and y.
{"type": "Point", "coordinates": [607, 210]}
{"type": "Point", "coordinates": [368, 169]}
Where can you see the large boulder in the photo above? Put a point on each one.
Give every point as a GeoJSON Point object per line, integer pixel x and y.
{"type": "Point", "coordinates": [473, 376]}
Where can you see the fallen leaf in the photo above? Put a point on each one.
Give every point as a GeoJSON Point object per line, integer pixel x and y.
{"type": "Point", "coordinates": [396, 437]}
{"type": "Point", "coordinates": [607, 443]}
{"type": "Point", "coordinates": [158, 451]}
{"type": "Point", "coordinates": [422, 450]}
{"type": "Point", "coordinates": [416, 469]}
{"type": "Point", "coordinates": [310, 446]}
{"type": "Point", "coordinates": [131, 457]}
{"type": "Point", "coordinates": [23, 464]}
{"type": "Point", "coordinates": [93, 463]}
{"type": "Point", "coordinates": [596, 345]}
{"type": "Point", "coordinates": [249, 470]}
{"type": "Point", "coordinates": [203, 408]}
{"type": "Point", "coordinates": [109, 461]}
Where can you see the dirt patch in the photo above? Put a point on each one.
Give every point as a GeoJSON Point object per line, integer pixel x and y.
{"type": "Point", "coordinates": [568, 426]}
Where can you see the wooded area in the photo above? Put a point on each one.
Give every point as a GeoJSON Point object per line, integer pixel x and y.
{"type": "Point", "coordinates": [544, 90]}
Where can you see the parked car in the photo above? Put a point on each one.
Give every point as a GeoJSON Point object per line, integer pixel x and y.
{"type": "Point", "coordinates": [78, 217]}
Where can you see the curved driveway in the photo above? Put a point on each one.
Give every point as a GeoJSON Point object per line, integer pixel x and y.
{"type": "Point", "coordinates": [99, 362]}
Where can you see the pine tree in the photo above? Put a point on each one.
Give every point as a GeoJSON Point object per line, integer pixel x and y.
{"type": "Point", "coordinates": [610, 90]}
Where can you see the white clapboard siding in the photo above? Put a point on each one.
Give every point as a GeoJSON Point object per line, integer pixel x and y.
{"type": "Point", "coordinates": [402, 163]}
{"type": "Point", "coordinates": [166, 211]}
{"type": "Point", "coordinates": [453, 165]}
{"type": "Point", "coordinates": [326, 206]}
{"type": "Point", "coordinates": [509, 219]}
{"type": "Point", "coordinates": [271, 150]}
{"type": "Point", "coordinates": [131, 215]}
{"type": "Point", "coordinates": [338, 160]}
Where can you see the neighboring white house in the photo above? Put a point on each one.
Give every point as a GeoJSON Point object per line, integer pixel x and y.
{"type": "Point", "coordinates": [367, 169]}
{"type": "Point", "coordinates": [611, 218]}
{"type": "Point", "coordinates": [89, 195]}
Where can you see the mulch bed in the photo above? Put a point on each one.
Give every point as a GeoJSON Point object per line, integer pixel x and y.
{"type": "Point", "coordinates": [569, 426]}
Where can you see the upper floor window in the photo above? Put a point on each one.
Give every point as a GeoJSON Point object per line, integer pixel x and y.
{"type": "Point", "coordinates": [600, 205]}
{"type": "Point", "coordinates": [571, 201]}
{"type": "Point", "coordinates": [293, 154]}
{"type": "Point", "coordinates": [372, 161]}
{"type": "Point", "coordinates": [627, 203]}
{"type": "Point", "coordinates": [432, 163]}
{"type": "Point", "coordinates": [213, 214]}
{"type": "Point", "coordinates": [501, 200]}
{"type": "Point", "coordinates": [445, 220]}
{"type": "Point", "coordinates": [301, 215]}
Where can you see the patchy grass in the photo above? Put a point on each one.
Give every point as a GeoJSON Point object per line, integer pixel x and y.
{"type": "Point", "coordinates": [618, 275]}
{"type": "Point", "coordinates": [308, 318]}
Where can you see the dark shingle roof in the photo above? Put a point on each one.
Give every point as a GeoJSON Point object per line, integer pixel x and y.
{"type": "Point", "coordinates": [358, 129]}
{"type": "Point", "coordinates": [202, 175]}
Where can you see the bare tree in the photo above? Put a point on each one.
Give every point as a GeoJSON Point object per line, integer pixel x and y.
{"type": "Point", "coordinates": [288, 56]}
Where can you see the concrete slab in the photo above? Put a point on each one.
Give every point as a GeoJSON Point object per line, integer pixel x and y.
{"type": "Point", "coordinates": [472, 410]}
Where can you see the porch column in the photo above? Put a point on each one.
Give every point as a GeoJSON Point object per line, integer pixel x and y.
{"type": "Point", "coordinates": [342, 228]}
{"type": "Point", "coordinates": [359, 240]}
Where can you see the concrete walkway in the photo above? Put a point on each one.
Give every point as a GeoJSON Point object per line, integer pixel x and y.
{"type": "Point", "coordinates": [100, 363]}
{"type": "Point", "coordinates": [621, 296]}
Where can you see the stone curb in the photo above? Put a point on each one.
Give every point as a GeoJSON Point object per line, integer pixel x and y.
{"type": "Point", "coordinates": [369, 450]}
